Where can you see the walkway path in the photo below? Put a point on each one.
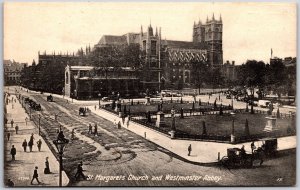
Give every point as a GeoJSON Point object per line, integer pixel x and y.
{"type": "Point", "coordinates": [21, 170]}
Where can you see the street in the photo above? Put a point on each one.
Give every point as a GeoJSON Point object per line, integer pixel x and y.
{"type": "Point", "coordinates": [137, 161]}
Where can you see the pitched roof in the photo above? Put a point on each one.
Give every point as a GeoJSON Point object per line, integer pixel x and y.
{"type": "Point", "coordinates": [184, 44]}
{"type": "Point", "coordinates": [112, 40]}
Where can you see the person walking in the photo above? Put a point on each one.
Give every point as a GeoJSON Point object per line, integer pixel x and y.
{"type": "Point", "coordinates": [13, 153]}
{"type": "Point", "coordinates": [90, 129]}
{"type": "Point", "coordinates": [73, 134]}
{"type": "Point", "coordinates": [17, 128]}
{"type": "Point", "coordinates": [35, 176]}
{"type": "Point", "coordinates": [189, 150]}
{"type": "Point", "coordinates": [24, 145]}
{"type": "Point", "coordinates": [10, 183]}
{"type": "Point", "coordinates": [30, 143]}
{"type": "Point", "coordinates": [253, 147]}
{"type": "Point", "coordinates": [8, 135]}
{"type": "Point", "coordinates": [95, 107]}
{"type": "Point", "coordinates": [79, 172]}
{"type": "Point", "coordinates": [128, 119]}
{"type": "Point", "coordinates": [47, 168]}
{"type": "Point", "coordinates": [26, 120]}
{"type": "Point", "coordinates": [39, 144]}
{"type": "Point", "coordinates": [12, 123]}
{"type": "Point", "coordinates": [95, 129]}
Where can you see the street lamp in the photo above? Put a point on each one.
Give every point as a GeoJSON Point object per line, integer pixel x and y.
{"type": "Point", "coordinates": [29, 112]}
{"type": "Point", "coordinates": [232, 136]}
{"type": "Point", "coordinates": [39, 124]}
{"type": "Point", "coordinates": [99, 95]}
{"type": "Point", "coordinates": [60, 145]}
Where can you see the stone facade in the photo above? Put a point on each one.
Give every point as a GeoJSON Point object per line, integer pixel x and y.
{"type": "Point", "coordinates": [210, 33]}
{"type": "Point", "coordinates": [12, 72]}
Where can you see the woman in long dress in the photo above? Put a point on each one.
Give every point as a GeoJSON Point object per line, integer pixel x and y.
{"type": "Point", "coordinates": [47, 168]}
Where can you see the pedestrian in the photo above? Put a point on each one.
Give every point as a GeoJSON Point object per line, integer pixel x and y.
{"type": "Point", "coordinates": [119, 125]}
{"type": "Point", "coordinates": [35, 175]}
{"type": "Point", "coordinates": [95, 129]}
{"type": "Point", "coordinates": [189, 150]}
{"type": "Point", "coordinates": [253, 147]}
{"type": "Point", "coordinates": [10, 183]}
{"type": "Point", "coordinates": [8, 135]}
{"type": "Point", "coordinates": [17, 128]}
{"type": "Point", "coordinates": [95, 107]}
{"type": "Point", "coordinates": [26, 120]}
{"type": "Point", "coordinates": [47, 167]}
{"type": "Point", "coordinates": [73, 134]}
{"type": "Point", "coordinates": [90, 128]}
{"type": "Point", "coordinates": [79, 172]}
{"type": "Point", "coordinates": [13, 152]}
{"type": "Point", "coordinates": [12, 123]}
{"type": "Point", "coordinates": [30, 143]}
{"type": "Point", "coordinates": [39, 144]}
{"type": "Point", "coordinates": [24, 145]}
{"type": "Point", "coordinates": [128, 119]}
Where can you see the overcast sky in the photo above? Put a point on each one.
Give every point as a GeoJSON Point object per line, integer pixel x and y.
{"type": "Point", "coordinates": [250, 30]}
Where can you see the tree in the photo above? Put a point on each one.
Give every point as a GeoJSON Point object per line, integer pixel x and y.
{"type": "Point", "coordinates": [277, 77]}
{"type": "Point", "coordinates": [200, 73]}
{"type": "Point", "coordinates": [252, 75]}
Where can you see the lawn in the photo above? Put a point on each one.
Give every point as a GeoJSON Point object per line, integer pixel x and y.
{"type": "Point", "coordinates": [222, 125]}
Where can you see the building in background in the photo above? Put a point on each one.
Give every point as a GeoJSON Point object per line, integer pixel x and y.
{"type": "Point", "coordinates": [229, 71]}
{"type": "Point", "coordinates": [12, 72]}
{"type": "Point", "coordinates": [86, 82]}
{"type": "Point", "coordinates": [210, 33]}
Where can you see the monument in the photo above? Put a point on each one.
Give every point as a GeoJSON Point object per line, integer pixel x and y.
{"type": "Point", "coordinates": [271, 124]}
{"type": "Point", "coordinates": [160, 119]}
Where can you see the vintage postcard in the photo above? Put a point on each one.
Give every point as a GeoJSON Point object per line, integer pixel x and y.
{"type": "Point", "coordinates": [148, 94]}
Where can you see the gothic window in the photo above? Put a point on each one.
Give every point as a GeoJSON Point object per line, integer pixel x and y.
{"type": "Point", "coordinates": [144, 45]}
{"type": "Point", "coordinates": [153, 47]}
{"type": "Point", "coordinates": [67, 77]}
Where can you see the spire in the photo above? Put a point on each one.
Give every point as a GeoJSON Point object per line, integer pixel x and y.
{"type": "Point", "coordinates": [156, 34]}
{"type": "Point", "coordinates": [207, 18]}
{"type": "Point", "coordinates": [54, 53]}
{"type": "Point", "coordinates": [141, 30]}
{"type": "Point", "coordinates": [194, 23]}
{"type": "Point", "coordinates": [159, 32]}
{"type": "Point", "coordinates": [213, 17]}
{"type": "Point", "coordinates": [199, 21]}
{"type": "Point", "coordinates": [220, 18]}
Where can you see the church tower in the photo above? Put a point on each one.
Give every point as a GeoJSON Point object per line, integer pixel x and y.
{"type": "Point", "coordinates": [211, 34]}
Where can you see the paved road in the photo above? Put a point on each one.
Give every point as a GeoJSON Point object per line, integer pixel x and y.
{"type": "Point", "coordinates": [119, 152]}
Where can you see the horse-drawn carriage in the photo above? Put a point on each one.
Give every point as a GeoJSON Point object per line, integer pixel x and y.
{"type": "Point", "coordinates": [236, 158]}
{"type": "Point", "coordinates": [84, 111]}
{"type": "Point", "coordinates": [50, 98]}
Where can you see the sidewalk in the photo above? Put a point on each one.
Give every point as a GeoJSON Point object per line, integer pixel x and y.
{"type": "Point", "coordinates": [21, 170]}
{"type": "Point", "coordinates": [202, 152]}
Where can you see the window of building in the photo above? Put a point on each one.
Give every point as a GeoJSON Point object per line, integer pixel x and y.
{"type": "Point", "coordinates": [67, 77]}
{"type": "Point", "coordinates": [153, 47]}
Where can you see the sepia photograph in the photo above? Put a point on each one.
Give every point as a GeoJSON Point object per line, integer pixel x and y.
{"type": "Point", "coordinates": [149, 94]}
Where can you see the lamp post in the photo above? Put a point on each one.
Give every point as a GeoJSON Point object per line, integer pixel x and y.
{"type": "Point", "coordinates": [99, 95]}
{"type": "Point", "coordinates": [232, 136]}
{"type": "Point", "coordinates": [60, 144]}
{"type": "Point", "coordinates": [39, 125]}
{"type": "Point", "coordinates": [29, 112]}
